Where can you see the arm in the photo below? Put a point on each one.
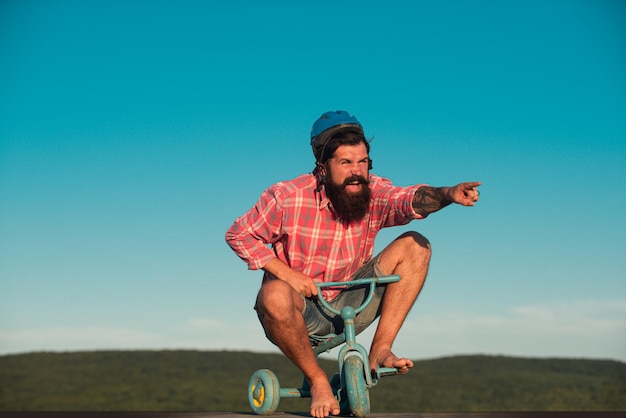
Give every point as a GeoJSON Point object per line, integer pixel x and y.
{"type": "Point", "coordinates": [431, 199]}
{"type": "Point", "coordinates": [251, 233]}
{"type": "Point", "coordinates": [302, 283]}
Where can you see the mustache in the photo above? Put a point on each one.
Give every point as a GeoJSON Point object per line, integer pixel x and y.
{"type": "Point", "coordinates": [355, 179]}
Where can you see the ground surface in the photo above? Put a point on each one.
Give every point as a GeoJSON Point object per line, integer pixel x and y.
{"type": "Point", "coordinates": [568, 414]}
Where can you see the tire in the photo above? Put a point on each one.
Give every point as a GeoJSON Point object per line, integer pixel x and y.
{"type": "Point", "coordinates": [263, 392]}
{"type": "Point", "coordinates": [354, 387]}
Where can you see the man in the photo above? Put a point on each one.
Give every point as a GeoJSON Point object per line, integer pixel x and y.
{"type": "Point", "coordinates": [321, 227]}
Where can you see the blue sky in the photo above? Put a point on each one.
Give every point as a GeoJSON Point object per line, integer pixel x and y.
{"type": "Point", "coordinates": [133, 133]}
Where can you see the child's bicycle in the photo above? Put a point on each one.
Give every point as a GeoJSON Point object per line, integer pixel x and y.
{"type": "Point", "coordinates": [354, 378]}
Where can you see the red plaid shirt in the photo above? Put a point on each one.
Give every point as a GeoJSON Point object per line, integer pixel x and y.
{"type": "Point", "coordinates": [294, 218]}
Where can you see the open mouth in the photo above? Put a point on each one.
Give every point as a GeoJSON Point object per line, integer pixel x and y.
{"type": "Point", "coordinates": [354, 181]}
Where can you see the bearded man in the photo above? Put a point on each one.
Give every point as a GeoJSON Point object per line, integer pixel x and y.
{"type": "Point", "coordinates": [321, 226]}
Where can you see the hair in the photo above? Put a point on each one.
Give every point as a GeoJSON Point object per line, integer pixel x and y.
{"type": "Point", "coordinates": [347, 136]}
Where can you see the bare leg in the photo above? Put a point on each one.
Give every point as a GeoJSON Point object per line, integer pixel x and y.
{"type": "Point", "coordinates": [280, 307]}
{"type": "Point", "coordinates": [409, 257]}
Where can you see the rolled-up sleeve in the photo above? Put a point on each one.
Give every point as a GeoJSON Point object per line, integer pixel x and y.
{"type": "Point", "coordinates": [393, 203]}
{"type": "Point", "coordinates": [251, 233]}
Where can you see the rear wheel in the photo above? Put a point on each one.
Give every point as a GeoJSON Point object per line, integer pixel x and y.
{"type": "Point", "coordinates": [263, 392]}
{"type": "Point", "coordinates": [335, 384]}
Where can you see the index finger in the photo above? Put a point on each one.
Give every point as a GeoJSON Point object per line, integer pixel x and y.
{"type": "Point", "coordinates": [471, 184]}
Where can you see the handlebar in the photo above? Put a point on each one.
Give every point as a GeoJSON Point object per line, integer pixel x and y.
{"type": "Point", "coordinates": [371, 281]}
{"type": "Point", "coordinates": [367, 280]}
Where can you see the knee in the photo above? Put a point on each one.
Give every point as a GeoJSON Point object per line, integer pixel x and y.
{"type": "Point", "coordinates": [409, 252]}
{"type": "Point", "coordinates": [415, 245]}
{"type": "Point", "coordinates": [276, 300]}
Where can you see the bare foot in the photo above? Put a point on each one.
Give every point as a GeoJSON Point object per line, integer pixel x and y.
{"type": "Point", "coordinates": [323, 402]}
{"type": "Point", "coordinates": [385, 358]}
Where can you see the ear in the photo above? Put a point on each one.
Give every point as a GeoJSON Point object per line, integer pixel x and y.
{"type": "Point", "coordinates": [322, 169]}
{"type": "Point", "coordinates": [369, 166]}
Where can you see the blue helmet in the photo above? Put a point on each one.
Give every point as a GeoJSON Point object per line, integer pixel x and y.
{"type": "Point", "coordinates": [327, 125]}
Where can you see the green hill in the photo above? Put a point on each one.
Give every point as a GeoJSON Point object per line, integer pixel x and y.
{"type": "Point", "coordinates": [217, 381]}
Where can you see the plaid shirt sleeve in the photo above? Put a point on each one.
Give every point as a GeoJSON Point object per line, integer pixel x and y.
{"type": "Point", "coordinates": [393, 205]}
{"type": "Point", "coordinates": [250, 234]}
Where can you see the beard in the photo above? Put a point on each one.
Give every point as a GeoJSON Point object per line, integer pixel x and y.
{"type": "Point", "coordinates": [349, 208]}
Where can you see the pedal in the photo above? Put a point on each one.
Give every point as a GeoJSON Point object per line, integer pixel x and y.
{"type": "Point", "coordinates": [385, 371]}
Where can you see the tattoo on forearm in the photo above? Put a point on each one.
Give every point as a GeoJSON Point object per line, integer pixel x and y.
{"type": "Point", "coordinates": [428, 200]}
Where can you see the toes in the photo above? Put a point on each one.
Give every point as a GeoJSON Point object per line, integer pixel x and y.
{"type": "Point", "coordinates": [324, 411]}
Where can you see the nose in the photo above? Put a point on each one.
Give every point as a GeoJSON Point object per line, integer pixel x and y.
{"type": "Point", "coordinates": [357, 168]}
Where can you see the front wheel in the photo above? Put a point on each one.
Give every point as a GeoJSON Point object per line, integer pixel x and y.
{"type": "Point", "coordinates": [263, 392]}
{"type": "Point", "coordinates": [354, 387]}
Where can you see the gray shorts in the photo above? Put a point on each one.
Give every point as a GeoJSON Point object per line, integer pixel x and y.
{"type": "Point", "coordinates": [320, 322]}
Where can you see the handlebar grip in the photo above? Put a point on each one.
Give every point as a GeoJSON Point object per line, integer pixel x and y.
{"type": "Point", "coordinates": [389, 279]}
